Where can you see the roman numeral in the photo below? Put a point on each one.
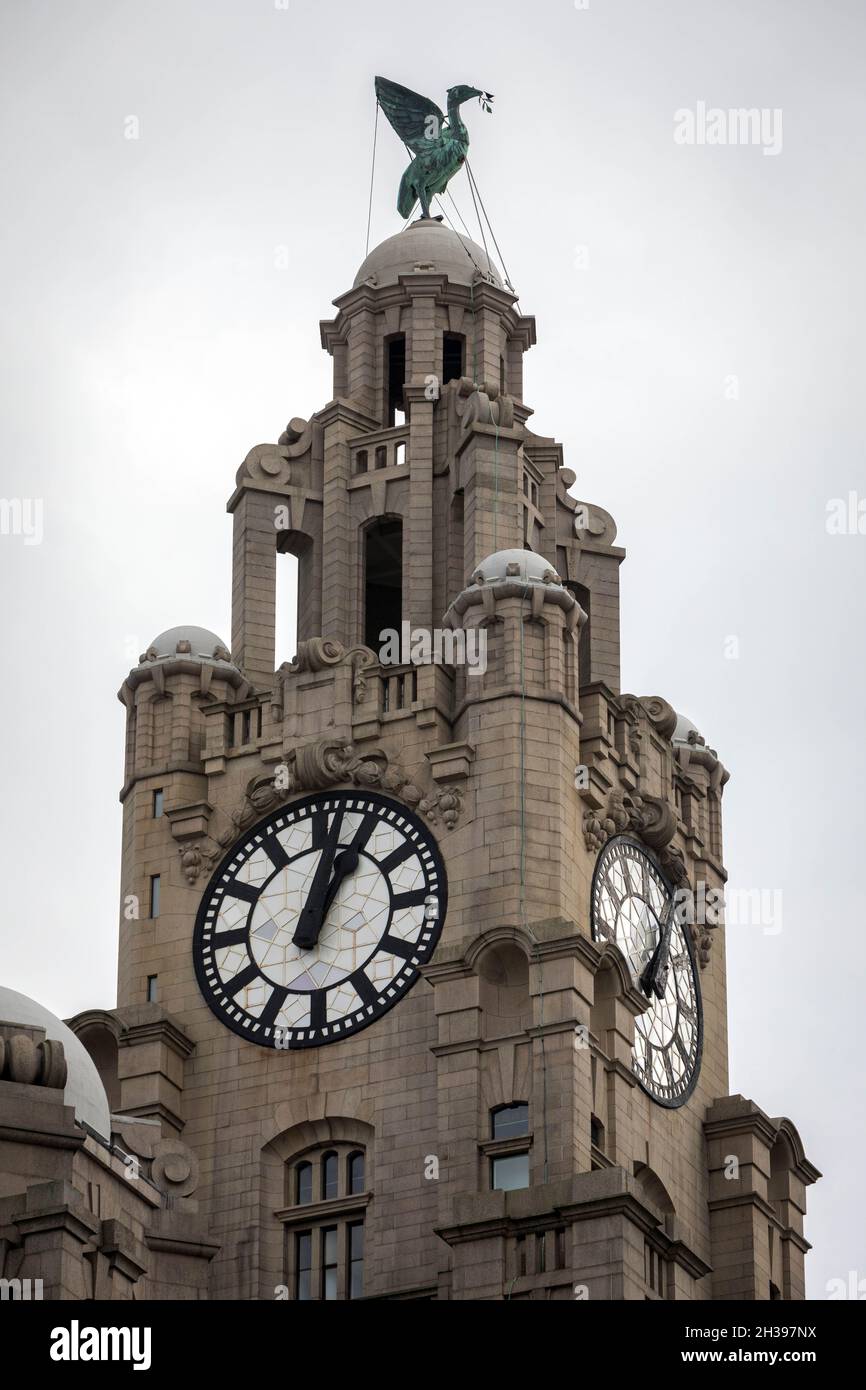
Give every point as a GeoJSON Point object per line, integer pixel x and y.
{"type": "Point", "coordinates": [404, 949]}
{"type": "Point", "coordinates": [275, 852]}
{"type": "Point", "coordinates": [230, 938]}
{"type": "Point", "coordinates": [364, 987]}
{"type": "Point", "coordinates": [413, 899]}
{"type": "Point", "coordinates": [241, 980]}
{"type": "Point", "coordinates": [247, 892]}
{"type": "Point", "coordinates": [318, 1009]}
{"type": "Point", "coordinates": [681, 1049]}
{"type": "Point", "coordinates": [273, 1006]}
{"type": "Point", "coordinates": [397, 856]}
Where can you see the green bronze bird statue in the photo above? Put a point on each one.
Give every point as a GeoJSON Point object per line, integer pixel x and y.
{"type": "Point", "coordinates": [439, 145]}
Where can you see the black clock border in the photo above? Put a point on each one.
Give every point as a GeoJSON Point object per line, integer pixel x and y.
{"type": "Point", "coordinates": [678, 1101]}
{"type": "Point", "coordinates": [313, 799]}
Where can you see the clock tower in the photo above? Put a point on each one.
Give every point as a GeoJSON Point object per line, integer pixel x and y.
{"type": "Point", "coordinates": [422, 963]}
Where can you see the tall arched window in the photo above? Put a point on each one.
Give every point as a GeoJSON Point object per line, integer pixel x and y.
{"type": "Point", "coordinates": [304, 1183]}
{"type": "Point", "coordinates": [330, 1176]}
{"type": "Point", "coordinates": [355, 1174]}
{"type": "Point", "coordinates": [383, 579]}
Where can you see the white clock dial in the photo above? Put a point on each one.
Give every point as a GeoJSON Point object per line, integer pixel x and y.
{"type": "Point", "coordinates": [318, 921]}
{"type": "Point", "coordinates": [633, 906]}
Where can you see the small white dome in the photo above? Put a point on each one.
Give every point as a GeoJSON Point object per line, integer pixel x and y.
{"type": "Point", "coordinates": [683, 729]}
{"type": "Point", "coordinates": [427, 245]}
{"type": "Point", "coordinates": [84, 1090]}
{"type": "Point", "coordinates": [195, 642]}
{"type": "Point", "coordinates": [523, 565]}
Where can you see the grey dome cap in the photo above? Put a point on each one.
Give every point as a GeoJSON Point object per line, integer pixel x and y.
{"type": "Point", "coordinates": [431, 247]}
{"type": "Point", "coordinates": [194, 642]}
{"type": "Point", "coordinates": [684, 729]}
{"type": "Point", "coordinates": [84, 1090]}
{"type": "Point", "coordinates": [526, 566]}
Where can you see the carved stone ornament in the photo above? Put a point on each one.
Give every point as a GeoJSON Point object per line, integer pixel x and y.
{"type": "Point", "coordinates": [32, 1062]}
{"type": "Point", "coordinates": [313, 767]}
{"type": "Point", "coordinates": [483, 405]}
{"type": "Point", "coordinates": [317, 653]}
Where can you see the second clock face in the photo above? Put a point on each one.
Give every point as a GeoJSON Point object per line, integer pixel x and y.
{"type": "Point", "coordinates": [317, 921]}
{"type": "Point", "coordinates": [632, 904]}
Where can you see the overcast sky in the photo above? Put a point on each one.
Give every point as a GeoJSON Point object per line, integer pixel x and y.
{"type": "Point", "coordinates": [700, 312]}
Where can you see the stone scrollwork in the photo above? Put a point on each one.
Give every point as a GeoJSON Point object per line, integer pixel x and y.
{"type": "Point", "coordinates": [483, 404]}
{"type": "Point", "coordinates": [314, 767]}
{"type": "Point", "coordinates": [318, 653]}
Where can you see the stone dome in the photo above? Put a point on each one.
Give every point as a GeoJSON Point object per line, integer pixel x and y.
{"type": "Point", "coordinates": [526, 566]}
{"type": "Point", "coordinates": [684, 728]}
{"type": "Point", "coordinates": [84, 1090]}
{"type": "Point", "coordinates": [431, 247]}
{"type": "Point", "coordinates": [202, 646]}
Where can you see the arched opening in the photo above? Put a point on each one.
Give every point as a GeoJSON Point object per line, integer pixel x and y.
{"type": "Point", "coordinates": [383, 579]}
{"type": "Point", "coordinates": [395, 368]}
{"type": "Point", "coordinates": [101, 1044]}
{"type": "Point", "coordinates": [453, 356]}
{"type": "Point", "coordinates": [293, 593]}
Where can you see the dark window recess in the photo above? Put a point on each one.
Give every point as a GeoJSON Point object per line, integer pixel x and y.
{"type": "Point", "coordinates": [396, 377]}
{"type": "Point", "coordinates": [511, 1121]}
{"type": "Point", "coordinates": [361, 461]}
{"type": "Point", "coordinates": [330, 1176]}
{"type": "Point", "coordinates": [304, 1265]}
{"type": "Point", "coordinates": [304, 1183]}
{"type": "Point", "coordinates": [356, 1174]}
{"type": "Point", "coordinates": [596, 1132]}
{"type": "Point", "coordinates": [329, 1263]}
{"type": "Point", "coordinates": [154, 895]}
{"type": "Point", "coordinates": [356, 1260]}
{"type": "Point", "coordinates": [452, 356]}
{"type": "Point", "coordinates": [381, 457]}
{"type": "Point", "coordinates": [157, 804]}
{"type": "Point", "coordinates": [152, 989]}
{"type": "Point", "coordinates": [383, 580]}
{"type": "Point", "coordinates": [559, 1247]}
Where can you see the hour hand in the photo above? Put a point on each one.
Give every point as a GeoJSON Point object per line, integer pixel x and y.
{"type": "Point", "coordinates": [654, 977]}
{"type": "Point", "coordinates": [312, 913]}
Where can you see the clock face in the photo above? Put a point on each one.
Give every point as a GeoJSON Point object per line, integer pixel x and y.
{"type": "Point", "coordinates": [317, 921]}
{"type": "Point", "coordinates": [633, 906]}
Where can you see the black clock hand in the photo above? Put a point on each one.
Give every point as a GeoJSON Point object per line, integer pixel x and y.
{"type": "Point", "coordinates": [310, 920]}
{"type": "Point", "coordinates": [654, 977]}
{"type": "Point", "coordinates": [345, 864]}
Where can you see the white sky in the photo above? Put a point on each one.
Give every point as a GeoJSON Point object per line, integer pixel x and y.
{"type": "Point", "coordinates": [150, 340]}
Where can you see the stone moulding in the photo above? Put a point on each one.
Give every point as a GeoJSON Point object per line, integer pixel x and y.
{"type": "Point", "coordinates": [320, 653]}
{"type": "Point", "coordinates": [314, 767]}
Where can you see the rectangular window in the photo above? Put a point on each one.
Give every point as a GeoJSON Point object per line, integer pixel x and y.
{"type": "Point", "coordinates": [152, 990]}
{"type": "Point", "coordinates": [303, 1265]}
{"type": "Point", "coordinates": [154, 895]}
{"type": "Point", "coordinates": [157, 803]}
{"type": "Point", "coordinates": [329, 1263]}
{"type": "Point", "coordinates": [509, 1174]}
{"type": "Point", "coordinates": [452, 357]}
{"type": "Point", "coordinates": [356, 1260]}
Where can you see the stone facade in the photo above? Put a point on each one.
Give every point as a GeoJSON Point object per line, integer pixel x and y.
{"type": "Point", "coordinates": [522, 772]}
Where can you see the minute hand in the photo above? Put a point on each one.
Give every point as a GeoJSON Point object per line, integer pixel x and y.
{"type": "Point", "coordinates": [654, 977]}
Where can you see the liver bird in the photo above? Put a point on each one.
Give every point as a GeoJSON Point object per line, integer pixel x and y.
{"type": "Point", "coordinates": [439, 145]}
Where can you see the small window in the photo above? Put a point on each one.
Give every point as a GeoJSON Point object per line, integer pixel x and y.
{"type": "Point", "coordinates": [452, 356]}
{"type": "Point", "coordinates": [330, 1177]}
{"type": "Point", "coordinates": [510, 1173]}
{"type": "Point", "coordinates": [541, 1253]}
{"type": "Point", "coordinates": [152, 989]}
{"type": "Point", "coordinates": [304, 1265]}
{"type": "Point", "coordinates": [361, 461]}
{"type": "Point", "coordinates": [521, 1255]}
{"type": "Point", "coordinates": [246, 722]}
{"type": "Point", "coordinates": [304, 1183]}
{"type": "Point", "coordinates": [154, 895]}
{"type": "Point", "coordinates": [596, 1132]}
{"type": "Point", "coordinates": [400, 453]}
{"type": "Point", "coordinates": [329, 1263]}
{"type": "Point", "coordinates": [157, 803]}
{"type": "Point", "coordinates": [511, 1121]}
{"type": "Point", "coordinates": [381, 456]}
{"type": "Point", "coordinates": [356, 1175]}
{"type": "Point", "coordinates": [559, 1247]}
{"type": "Point", "coordinates": [356, 1260]}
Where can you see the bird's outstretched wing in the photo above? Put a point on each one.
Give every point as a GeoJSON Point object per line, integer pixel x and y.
{"type": "Point", "coordinates": [409, 114]}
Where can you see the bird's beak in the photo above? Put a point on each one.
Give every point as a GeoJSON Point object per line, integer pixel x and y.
{"type": "Point", "coordinates": [485, 101]}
